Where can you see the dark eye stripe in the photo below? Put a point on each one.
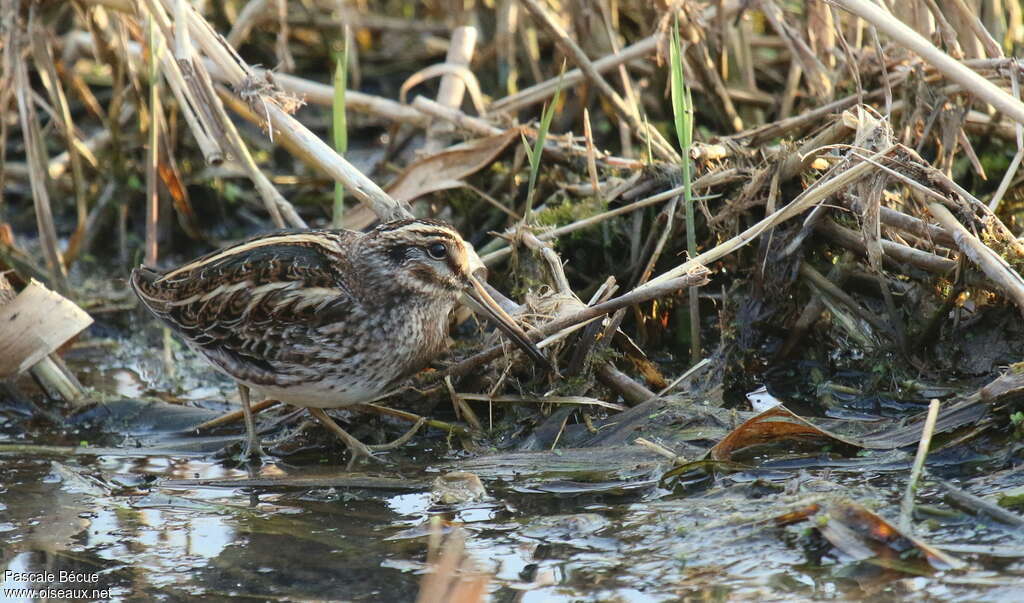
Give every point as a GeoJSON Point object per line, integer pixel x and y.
{"type": "Point", "coordinates": [399, 253]}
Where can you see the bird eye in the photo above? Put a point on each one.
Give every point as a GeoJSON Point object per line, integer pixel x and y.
{"type": "Point", "coordinates": [438, 251]}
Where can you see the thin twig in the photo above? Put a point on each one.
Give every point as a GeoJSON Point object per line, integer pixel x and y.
{"type": "Point", "coordinates": [539, 93]}
{"type": "Point", "coordinates": [541, 15]}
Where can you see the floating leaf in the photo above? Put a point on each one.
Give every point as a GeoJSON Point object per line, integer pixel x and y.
{"type": "Point", "coordinates": [865, 536]}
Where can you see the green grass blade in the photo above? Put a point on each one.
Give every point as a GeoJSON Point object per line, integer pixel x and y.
{"type": "Point", "coordinates": [537, 152]}
{"type": "Point", "coordinates": [339, 126]}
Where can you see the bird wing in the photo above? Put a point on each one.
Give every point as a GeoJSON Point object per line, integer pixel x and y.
{"type": "Point", "coordinates": [256, 304]}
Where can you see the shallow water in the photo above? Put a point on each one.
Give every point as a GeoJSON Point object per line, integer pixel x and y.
{"type": "Point", "coordinates": [118, 523]}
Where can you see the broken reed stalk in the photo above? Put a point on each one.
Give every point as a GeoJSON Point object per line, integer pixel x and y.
{"type": "Point", "coordinates": [588, 137]}
{"type": "Point", "coordinates": [661, 451]}
{"type": "Point", "coordinates": [281, 211]}
{"type": "Point", "coordinates": [209, 123]}
{"type": "Point", "coordinates": [995, 267]}
{"type": "Point", "coordinates": [274, 108]}
{"type": "Point", "coordinates": [453, 88]}
{"type": "Point", "coordinates": [907, 506]}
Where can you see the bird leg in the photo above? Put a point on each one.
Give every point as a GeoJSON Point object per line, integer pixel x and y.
{"type": "Point", "coordinates": [253, 449]}
{"type": "Point", "coordinates": [355, 446]}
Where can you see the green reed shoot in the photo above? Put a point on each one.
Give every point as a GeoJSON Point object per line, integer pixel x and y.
{"type": "Point", "coordinates": [682, 111]}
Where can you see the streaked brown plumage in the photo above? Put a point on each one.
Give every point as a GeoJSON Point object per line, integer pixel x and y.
{"type": "Point", "coordinates": [323, 318]}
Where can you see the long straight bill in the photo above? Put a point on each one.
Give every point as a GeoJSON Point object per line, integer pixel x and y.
{"type": "Point", "coordinates": [505, 322]}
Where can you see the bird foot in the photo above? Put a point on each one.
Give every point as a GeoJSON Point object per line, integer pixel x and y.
{"type": "Point", "coordinates": [356, 448]}
{"type": "Point", "coordinates": [253, 451]}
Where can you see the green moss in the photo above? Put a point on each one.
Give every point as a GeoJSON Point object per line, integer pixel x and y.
{"type": "Point", "coordinates": [569, 212]}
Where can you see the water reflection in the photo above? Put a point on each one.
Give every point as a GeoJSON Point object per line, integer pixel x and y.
{"type": "Point", "coordinates": [102, 516]}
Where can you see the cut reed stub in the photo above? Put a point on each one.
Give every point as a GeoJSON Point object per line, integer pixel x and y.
{"type": "Point", "coordinates": [33, 326]}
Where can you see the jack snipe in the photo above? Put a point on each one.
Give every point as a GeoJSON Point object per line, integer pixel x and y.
{"type": "Point", "coordinates": [323, 318]}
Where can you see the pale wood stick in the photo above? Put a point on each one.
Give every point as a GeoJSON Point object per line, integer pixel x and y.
{"type": "Point", "coordinates": [453, 88]}
{"type": "Point", "coordinates": [907, 506]}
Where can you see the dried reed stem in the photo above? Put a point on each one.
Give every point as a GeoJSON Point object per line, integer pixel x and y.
{"type": "Point", "coordinates": [907, 506]}
{"type": "Point", "coordinates": [947, 65]}
{"type": "Point", "coordinates": [35, 151]}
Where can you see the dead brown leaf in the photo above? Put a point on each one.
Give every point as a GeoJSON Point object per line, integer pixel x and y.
{"type": "Point", "coordinates": [446, 169]}
{"type": "Point", "coordinates": [772, 425]}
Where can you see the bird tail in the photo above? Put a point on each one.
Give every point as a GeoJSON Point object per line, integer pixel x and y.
{"type": "Point", "coordinates": [142, 280]}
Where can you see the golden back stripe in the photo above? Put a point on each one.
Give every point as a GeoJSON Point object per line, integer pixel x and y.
{"type": "Point", "coordinates": [330, 245]}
